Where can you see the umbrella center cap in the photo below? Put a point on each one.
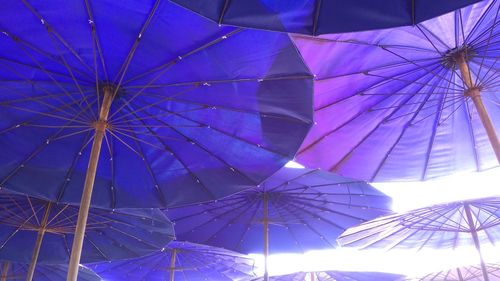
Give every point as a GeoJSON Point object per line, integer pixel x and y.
{"type": "Point", "coordinates": [450, 57]}
{"type": "Point", "coordinates": [100, 125]}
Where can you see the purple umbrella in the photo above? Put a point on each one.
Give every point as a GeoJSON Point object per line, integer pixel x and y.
{"type": "Point", "coordinates": [295, 210]}
{"type": "Point", "coordinates": [140, 104]}
{"type": "Point", "coordinates": [321, 16]}
{"type": "Point", "coordinates": [180, 261]}
{"type": "Point", "coordinates": [473, 222]}
{"type": "Point", "coordinates": [408, 103]}
{"type": "Point", "coordinates": [465, 273]}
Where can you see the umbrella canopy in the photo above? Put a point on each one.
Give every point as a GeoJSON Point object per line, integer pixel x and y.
{"type": "Point", "coordinates": [30, 225]}
{"type": "Point", "coordinates": [426, 97]}
{"type": "Point", "coordinates": [335, 276]}
{"type": "Point", "coordinates": [197, 111]}
{"type": "Point", "coordinates": [319, 17]}
{"type": "Point", "coordinates": [12, 271]}
{"type": "Point", "coordinates": [180, 261]}
{"type": "Point", "coordinates": [295, 210]}
{"type": "Point", "coordinates": [153, 104]}
{"type": "Point", "coordinates": [466, 273]}
{"type": "Point", "coordinates": [472, 222]}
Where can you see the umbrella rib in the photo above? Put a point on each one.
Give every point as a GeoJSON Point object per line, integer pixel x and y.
{"type": "Point", "coordinates": [168, 149]}
{"type": "Point", "coordinates": [87, 239]}
{"type": "Point", "coordinates": [323, 136]}
{"type": "Point", "coordinates": [429, 40]}
{"type": "Point", "coordinates": [112, 190]}
{"type": "Point", "coordinates": [128, 59]}
{"type": "Point", "coordinates": [212, 206]}
{"type": "Point", "coordinates": [487, 47]}
{"type": "Point", "coordinates": [51, 33]}
{"type": "Point", "coordinates": [205, 149]}
{"type": "Point", "coordinates": [66, 93]}
{"type": "Point", "coordinates": [34, 153]}
{"type": "Point", "coordinates": [403, 131]}
{"type": "Point", "coordinates": [205, 106]}
{"type": "Point", "coordinates": [22, 42]}
{"type": "Point", "coordinates": [248, 224]}
{"type": "Point", "coordinates": [433, 135]}
{"type": "Point", "coordinates": [347, 156]}
{"type": "Point", "coordinates": [50, 30]}
{"type": "Point", "coordinates": [163, 199]}
{"type": "Point", "coordinates": [86, 141]}
{"type": "Point", "coordinates": [422, 67]}
{"type": "Point", "coordinates": [479, 22]}
{"type": "Point", "coordinates": [38, 67]}
{"type": "Point", "coordinates": [96, 43]}
{"type": "Point", "coordinates": [210, 82]}
{"type": "Point", "coordinates": [149, 105]}
{"type": "Point", "coordinates": [230, 211]}
{"type": "Point", "coordinates": [164, 67]}
{"type": "Point", "coordinates": [223, 12]}
{"type": "Point", "coordinates": [133, 237]}
{"type": "Point", "coordinates": [471, 134]}
{"type": "Point", "coordinates": [232, 220]}
{"type": "Point", "coordinates": [16, 230]}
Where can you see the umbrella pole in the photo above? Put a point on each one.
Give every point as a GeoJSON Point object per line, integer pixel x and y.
{"type": "Point", "coordinates": [266, 235]}
{"type": "Point", "coordinates": [5, 270]}
{"type": "Point", "coordinates": [83, 212]}
{"type": "Point", "coordinates": [312, 276]}
{"type": "Point", "coordinates": [473, 230]}
{"type": "Point", "coordinates": [172, 264]}
{"type": "Point", "coordinates": [38, 243]}
{"type": "Point", "coordinates": [475, 94]}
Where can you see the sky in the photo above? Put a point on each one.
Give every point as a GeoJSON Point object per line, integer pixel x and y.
{"type": "Point", "coordinates": [406, 196]}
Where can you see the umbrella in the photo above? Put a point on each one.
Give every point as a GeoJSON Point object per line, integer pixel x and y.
{"type": "Point", "coordinates": [408, 103]}
{"type": "Point", "coordinates": [295, 210]}
{"type": "Point", "coordinates": [180, 261]}
{"type": "Point", "coordinates": [184, 111]}
{"type": "Point", "coordinates": [320, 16]}
{"type": "Point", "coordinates": [32, 229]}
{"type": "Point", "coordinates": [472, 222]}
{"type": "Point", "coordinates": [465, 273]}
{"type": "Point", "coordinates": [12, 271]}
{"type": "Point", "coordinates": [335, 276]}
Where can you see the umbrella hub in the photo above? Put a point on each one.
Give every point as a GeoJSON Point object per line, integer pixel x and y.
{"type": "Point", "coordinates": [452, 56]}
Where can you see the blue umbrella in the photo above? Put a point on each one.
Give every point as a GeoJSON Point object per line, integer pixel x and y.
{"type": "Point", "coordinates": [335, 276]}
{"type": "Point", "coordinates": [321, 16]}
{"type": "Point", "coordinates": [408, 103]}
{"type": "Point", "coordinates": [12, 271]}
{"type": "Point", "coordinates": [180, 261]}
{"type": "Point", "coordinates": [472, 222]}
{"type": "Point", "coordinates": [465, 273]}
{"type": "Point", "coordinates": [33, 229]}
{"type": "Point", "coordinates": [295, 210]}
{"type": "Point", "coordinates": [184, 110]}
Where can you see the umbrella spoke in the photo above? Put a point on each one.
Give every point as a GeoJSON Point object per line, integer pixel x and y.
{"type": "Point", "coordinates": [125, 65]}
{"type": "Point", "coordinates": [478, 74]}
{"type": "Point", "coordinates": [53, 33]}
{"type": "Point", "coordinates": [164, 68]}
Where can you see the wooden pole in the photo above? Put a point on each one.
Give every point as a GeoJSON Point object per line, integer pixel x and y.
{"type": "Point", "coordinates": [172, 264]}
{"type": "Point", "coordinates": [38, 243]}
{"type": "Point", "coordinates": [475, 94]}
{"type": "Point", "coordinates": [100, 130]}
{"type": "Point", "coordinates": [5, 271]}
{"type": "Point", "coordinates": [266, 235]}
{"type": "Point", "coordinates": [473, 231]}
